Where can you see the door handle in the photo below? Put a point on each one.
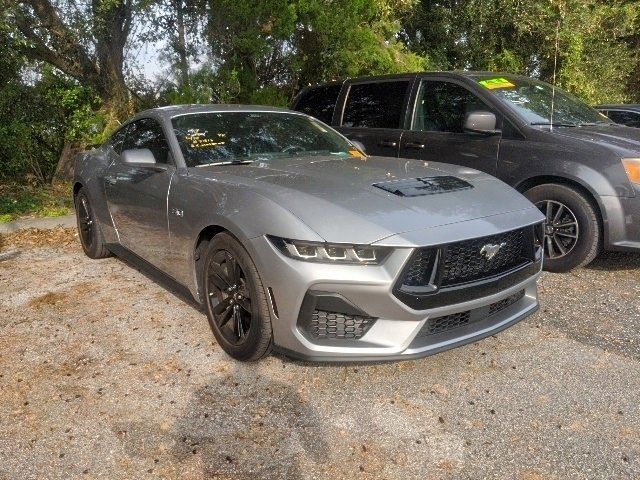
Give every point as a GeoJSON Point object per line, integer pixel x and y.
{"type": "Point", "coordinates": [387, 143]}
{"type": "Point", "coordinates": [414, 145]}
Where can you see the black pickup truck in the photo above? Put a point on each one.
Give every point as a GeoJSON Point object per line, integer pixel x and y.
{"type": "Point", "coordinates": [578, 167]}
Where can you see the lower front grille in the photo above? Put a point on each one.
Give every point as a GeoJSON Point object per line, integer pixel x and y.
{"type": "Point", "coordinates": [460, 319]}
{"type": "Point", "coordinates": [333, 325]}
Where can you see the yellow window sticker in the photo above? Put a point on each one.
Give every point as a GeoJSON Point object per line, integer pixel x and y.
{"type": "Point", "coordinates": [356, 153]}
{"type": "Point", "coordinates": [494, 83]}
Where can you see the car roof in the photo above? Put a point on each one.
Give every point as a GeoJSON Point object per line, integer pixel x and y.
{"type": "Point", "coordinates": [620, 106]}
{"type": "Point", "coordinates": [173, 110]}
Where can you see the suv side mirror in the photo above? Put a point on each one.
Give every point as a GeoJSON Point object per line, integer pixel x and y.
{"type": "Point", "coordinates": [138, 156]}
{"type": "Point", "coordinates": [480, 122]}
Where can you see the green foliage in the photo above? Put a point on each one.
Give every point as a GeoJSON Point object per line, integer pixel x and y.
{"type": "Point", "coordinates": [17, 201]}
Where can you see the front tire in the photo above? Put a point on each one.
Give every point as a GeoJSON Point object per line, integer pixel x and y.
{"type": "Point", "coordinates": [572, 227]}
{"type": "Point", "coordinates": [235, 300]}
{"type": "Point", "coordinates": [89, 231]}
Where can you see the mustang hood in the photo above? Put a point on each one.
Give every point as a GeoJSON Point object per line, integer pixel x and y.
{"type": "Point", "coordinates": [338, 197]}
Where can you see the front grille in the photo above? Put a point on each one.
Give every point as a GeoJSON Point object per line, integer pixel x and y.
{"type": "Point", "coordinates": [334, 325]}
{"type": "Point", "coordinates": [419, 271]}
{"type": "Point", "coordinates": [468, 260]}
{"type": "Point", "coordinates": [456, 320]}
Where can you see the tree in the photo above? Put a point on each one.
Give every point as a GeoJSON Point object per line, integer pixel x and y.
{"type": "Point", "coordinates": [84, 40]}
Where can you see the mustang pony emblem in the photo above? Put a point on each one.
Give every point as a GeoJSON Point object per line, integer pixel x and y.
{"type": "Point", "coordinates": [490, 250]}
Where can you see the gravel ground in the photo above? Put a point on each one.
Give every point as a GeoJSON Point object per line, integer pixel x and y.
{"type": "Point", "coordinates": [106, 374]}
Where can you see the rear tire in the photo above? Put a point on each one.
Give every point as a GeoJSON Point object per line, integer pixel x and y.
{"type": "Point", "coordinates": [89, 231]}
{"type": "Point", "coordinates": [572, 229]}
{"type": "Point", "coordinates": [235, 300]}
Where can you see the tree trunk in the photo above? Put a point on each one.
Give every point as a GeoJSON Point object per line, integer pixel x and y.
{"type": "Point", "coordinates": [65, 169]}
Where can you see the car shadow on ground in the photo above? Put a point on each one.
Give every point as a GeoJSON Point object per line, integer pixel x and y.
{"type": "Point", "coordinates": [267, 435]}
{"type": "Point", "coordinates": [613, 261]}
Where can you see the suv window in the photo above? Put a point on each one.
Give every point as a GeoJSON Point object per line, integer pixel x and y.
{"type": "Point", "coordinates": [147, 133]}
{"type": "Point", "coordinates": [442, 107]}
{"type": "Point", "coordinates": [319, 102]}
{"type": "Point", "coordinates": [375, 105]}
{"type": "Point", "coordinates": [631, 119]}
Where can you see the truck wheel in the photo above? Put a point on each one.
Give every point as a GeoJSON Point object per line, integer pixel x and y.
{"type": "Point", "coordinates": [572, 227]}
{"type": "Point", "coordinates": [89, 231]}
{"type": "Point", "coordinates": [235, 300]}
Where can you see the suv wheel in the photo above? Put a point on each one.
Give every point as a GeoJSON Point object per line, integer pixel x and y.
{"type": "Point", "coordinates": [572, 227]}
{"type": "Point", "coordinates": [235, 300]}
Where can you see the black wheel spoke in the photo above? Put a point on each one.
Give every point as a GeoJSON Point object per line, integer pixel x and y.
{"type": "Point", "coordinates": [224, 317]}
{"type": "Point", "coordinates": [222, 306]}
{"type": "Point", "coordinates": [237, 323]}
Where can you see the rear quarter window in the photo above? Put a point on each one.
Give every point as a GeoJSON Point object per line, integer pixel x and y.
{"type": "Point", "coordinates": [319, 102]}
{"type": "Point", "coordinates": [375, 105]}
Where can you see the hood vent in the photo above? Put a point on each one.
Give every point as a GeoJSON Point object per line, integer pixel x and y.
{"type": "Point", "coordinates": [416, 187]}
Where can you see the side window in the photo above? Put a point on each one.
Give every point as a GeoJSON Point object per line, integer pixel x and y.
{"type": "Point", "coordinates": [319, 102]}
{"type": "Point", "coordinates": [147, 133]}
{"type": "Point", "coordinates": [442, 107]}
{"type": "Point", "coordinates": [117, 139]}
{"type": "Point", "coordinates": [631, 119]}
{"type": "Point", "coordinates": [375, 105]}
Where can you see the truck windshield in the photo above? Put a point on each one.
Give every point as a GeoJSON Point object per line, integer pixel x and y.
{"type": "Point", "coordinates": [221, 138]}
{"type": "Point", "coordinates": [532, 100]}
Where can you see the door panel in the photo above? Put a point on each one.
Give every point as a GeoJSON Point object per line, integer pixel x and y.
{"type": "Point", "coordinates": [137, 194]}
{"type": "Point", "coordinates": [437, 128]}
{"type": "Point", "coordinates": [375, 113]}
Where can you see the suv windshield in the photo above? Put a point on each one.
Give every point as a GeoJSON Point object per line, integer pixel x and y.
{"type": "Point", "coordinates": [532, 99]}
{"type": "Point", "coordinates": [230, 137]}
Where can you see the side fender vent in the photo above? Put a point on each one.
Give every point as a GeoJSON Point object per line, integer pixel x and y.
{"type": "Point", "coordinates": [416, 187]}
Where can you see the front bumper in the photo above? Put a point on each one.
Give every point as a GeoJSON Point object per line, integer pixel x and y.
{"type": "Point", "coordinates": [398, 331]}
{"type": "Point", "coordinates": [622, 216]}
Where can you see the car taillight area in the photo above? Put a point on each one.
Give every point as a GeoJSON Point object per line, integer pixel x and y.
{"type": "Point", "coordinates": [468, 269]}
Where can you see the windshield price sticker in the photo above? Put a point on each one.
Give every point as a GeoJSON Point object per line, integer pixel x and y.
{"type": "Point", "coordinates": [495, 83]}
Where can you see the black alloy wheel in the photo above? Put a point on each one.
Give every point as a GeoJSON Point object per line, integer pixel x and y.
{"type": "Point", "coordinates": [235, 299]}
{"type": "Point", "coordinates": [89, 231]}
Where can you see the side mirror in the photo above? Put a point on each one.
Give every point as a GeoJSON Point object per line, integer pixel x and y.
{"type": "Point", "coordinates": [140, 156]}
{"type": "Point", "coordinates": [480, 122]}
{"type": "Point", "coordinates": [358, 145]}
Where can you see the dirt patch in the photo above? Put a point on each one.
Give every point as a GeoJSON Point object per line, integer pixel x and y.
{"type": "Point", "coordinates": [35, 237]}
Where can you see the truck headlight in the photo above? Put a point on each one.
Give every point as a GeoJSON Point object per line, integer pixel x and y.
{"type": "Point", "coordinates": [330, 252]}
{"type": "Point", "coordinates": [632, 167]}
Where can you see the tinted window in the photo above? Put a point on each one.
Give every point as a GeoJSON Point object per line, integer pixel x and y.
{"type": "Point", "coordinates": [631, 119]}
{"type": "Point", "coordinates": [117, 140]}
{"type": "Point", "coordinates": [147, 133]}
{"type": "Point", "coordinates": [534, 100]}
{"type": "Point", "coordinates": [375, 105]}
{"type": "Point", "coordinates": [442, 107]}
{"type": "Point", "coordinates": [319, 102]}
{"type": "Point", "coordinates": [208, 138]}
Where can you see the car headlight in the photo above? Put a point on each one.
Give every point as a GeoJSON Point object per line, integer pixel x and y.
{"type": "Point", "coordinates": [632, 167]}
{"type": "Point", "coordinates": [330, 252]}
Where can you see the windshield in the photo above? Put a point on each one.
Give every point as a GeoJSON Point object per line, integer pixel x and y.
{"type": "Point", "coordinates": [532, 99]}
{"type": "Point", "coordinates": [230, 137]}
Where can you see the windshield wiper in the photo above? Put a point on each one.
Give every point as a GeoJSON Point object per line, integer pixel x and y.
{"type": "Point", "coordinates": [554, 124]}
{"type": "Point", "coordinates": [227, 162]}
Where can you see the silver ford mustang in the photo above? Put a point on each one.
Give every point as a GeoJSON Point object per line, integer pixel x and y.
{"type": "Point", "coordinates": [292, 239]}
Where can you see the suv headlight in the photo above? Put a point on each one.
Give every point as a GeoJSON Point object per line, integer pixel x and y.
{"type": "Point", "coordinates": [330, 252]}
{"type": "Point", "coordinates": [632, 167]}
